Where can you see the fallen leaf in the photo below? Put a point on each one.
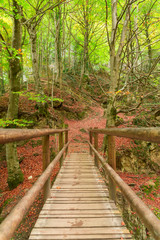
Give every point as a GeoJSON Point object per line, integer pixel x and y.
{"type": "Point", "coordinates": [122, 223]}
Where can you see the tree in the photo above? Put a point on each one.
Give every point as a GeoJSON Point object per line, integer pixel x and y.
{"type": "Point", "coordinates": [15, 175]}
{"type": "Point", "coordinates": [58, 45]}
{"type": "Point", "coordinates": [2, 89]}
{"type": "Point", "coordinates": [116, 49]}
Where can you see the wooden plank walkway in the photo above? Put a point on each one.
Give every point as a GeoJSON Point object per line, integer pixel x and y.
{"type": "Point", "coordinates": [79, 206]}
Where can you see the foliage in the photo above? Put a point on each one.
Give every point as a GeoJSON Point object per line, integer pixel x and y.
{"type": "Point", "coordinates": [151, 188]}
{"type": "Point", "coordinates": [140, 121]}
{"type": "Point", "coordinates": [140, 151]}
{"type": "Point", "coordinates": [39, 98]}
{"type": "Point", "coordinates": [15, 123]}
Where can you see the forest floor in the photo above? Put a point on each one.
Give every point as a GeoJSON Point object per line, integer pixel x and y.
{"type": "Point", "coordinates": [31, 166]}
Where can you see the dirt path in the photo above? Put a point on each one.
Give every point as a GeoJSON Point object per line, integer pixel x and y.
{"type": "Point", "coordinates": [78, 129]}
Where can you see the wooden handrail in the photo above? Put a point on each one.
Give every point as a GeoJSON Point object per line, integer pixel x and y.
{"type": "Point", "coordinates": [146, 134]}
{"type": "Point", "coordinates": [11, 222]}
{"type": "Point", "coordinates": [147, 216]}
{"type": "Point", "coordinates": [13, 135]}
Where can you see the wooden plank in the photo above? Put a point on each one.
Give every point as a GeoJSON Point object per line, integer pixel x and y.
{"type": "Point", "coordinates": [82, 237]}
{"type": "Point", "coordinates": [81, 233]}
{"type": "Point", "coordinates": [80, 175]}
{"type": "Point", "coordinates": [78, 222]}
{"type": "Point", "coordinates": [80, 179]}
{"type": "Point", "coordinates": [71, 214]}
{"type": "Point", "coordinates": [101, 206]}
{"type": "Point", "coordinates": [80, 186]}
{"type": "Point", "coordinates": [78, 194]}
{"type": "Point", "coordinates": [76, 230]}
{"type": "Point", "coordinates": [78, 170]}
{"type": "Point", "coordinates": [84, 190]}
{"type": "Point", "coordinates": [83, 212]}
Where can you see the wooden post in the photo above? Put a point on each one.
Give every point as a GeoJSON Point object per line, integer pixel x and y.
{"type": "Point", "coordinates": [66, 140]}
{"type": "Point", "coordinates": [96, 147]}
{"type": "Point", "coordinates": [90, 139]}
{"type": "Point", "coordinates": [112, 163]}
{"type": "Point", "coordinates": [46, 162]}
{"type": "Point", "coordinates": [61, 145]}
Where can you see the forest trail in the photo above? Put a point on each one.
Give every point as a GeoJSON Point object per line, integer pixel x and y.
{"type": "Point", "coordinates": [78, 129]}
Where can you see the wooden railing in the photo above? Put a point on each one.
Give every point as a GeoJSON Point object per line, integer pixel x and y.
{"type": "Point", "coordinates": [145, 134]}
{"type": "Point", "coordinates": [11, 222]}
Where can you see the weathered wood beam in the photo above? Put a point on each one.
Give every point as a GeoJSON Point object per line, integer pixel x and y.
{"type": "Point", "coordinates": [146, 134]}
{"type": "Point", "coordinates": [13, 135]}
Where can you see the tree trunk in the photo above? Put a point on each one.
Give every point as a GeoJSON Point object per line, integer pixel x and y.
{"type": "Point", "coordinates": [148, 43]}
{"type": "Point", "coordinates": [2, 89]}
{"type": "Point", "coordinates": [48, 55]}
{"type": "Point", "coordinates": [58, 47]}
{"type": "Point", "coordinates": [69, 47]}
{"type": "Point", "coordinates": [115, 58]}
{"type": "Point", "coordinates": [15, 175]}
{"type": "Point", "coordinates": [85, 61]}
{"type": "Point", "coordinates": [35, 68]}
{"type": "Point", "coordinates": [114, 69]}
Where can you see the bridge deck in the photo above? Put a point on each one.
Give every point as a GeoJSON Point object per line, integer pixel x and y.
{"type": "Point", "coordinates": [79, 206]}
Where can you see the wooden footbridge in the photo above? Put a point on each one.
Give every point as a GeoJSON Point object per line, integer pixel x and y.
{"type": "Point", "coordinates": [79, 205]}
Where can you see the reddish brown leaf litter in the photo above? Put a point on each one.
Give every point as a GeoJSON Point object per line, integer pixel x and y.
{"type": "Point", "coordinates": [145, 186]}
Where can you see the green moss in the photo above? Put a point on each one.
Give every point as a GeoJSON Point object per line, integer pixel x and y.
{"type": "Point", "coordinates": [15, 179]}
{"type": "Point", "coordinates": [81, 115]}
{"type": "Point", "coordinates": [119, 121]}
{"type": "Point", "coordinates": [140, 122]}
{"type": "Point", "coordinates": [113, 112]}
{"type": "Point", "coordinates": [83, 130]}
{"type": "Point", "coordinates": [52, 154]}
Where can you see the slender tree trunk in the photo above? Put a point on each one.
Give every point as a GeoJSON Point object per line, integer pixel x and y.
{"type": "Point", "coordinates": [115, 58]}
{"type": "Point", "coordinates": [15, 175]}
{"type": "Point", "coordinates": [138, 59]}
{"type": "Point", "coordinates": [148, 43]}
{"type": "Point", "coordinates": [35, 65]}
{"type": "Point", "coordinates": [64, 36]}
{"type": "Point", "coordinates": [2, 89]}
{"type": "Point", "coordinates": [58, 47]}
{"type": "Point", "coordinates": [85, 61]}
{"type": "Point", "coordinates": [69, 47]}
{"type": "Point", "coordinates": [114, 69]}
{"type": "Point", "coordinates": [48, 54]}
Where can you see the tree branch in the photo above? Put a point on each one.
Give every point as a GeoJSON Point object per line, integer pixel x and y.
{"type": "Point", "coordinates": [4, 42]}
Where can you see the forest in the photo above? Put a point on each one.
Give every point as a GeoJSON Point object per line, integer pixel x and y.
{"type": "Point", "coordinates": [80, 64]}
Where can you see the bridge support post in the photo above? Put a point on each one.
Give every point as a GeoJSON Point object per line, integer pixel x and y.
{"type": "Point", "coordinates": [96, 147]}
{"type": "Point", "coordinates": [90, 140]}
{"type": "Point", "coordinates": [112, 163]}
{"type": "Point", "coordinates": [46, 162]}
{"type": "Point", "coordinates": [66, 140]}
{"type": "Point", "coordinates": [61, 145]}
